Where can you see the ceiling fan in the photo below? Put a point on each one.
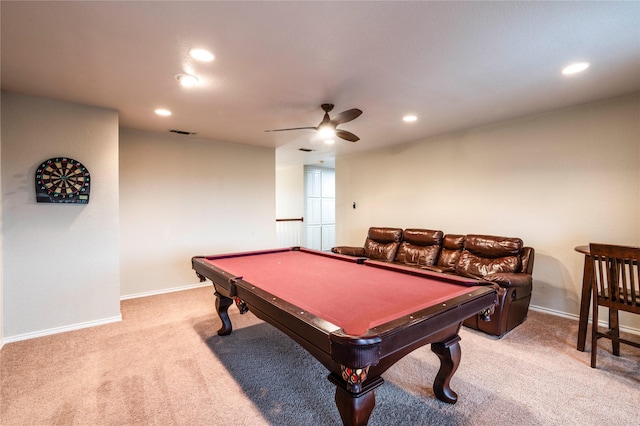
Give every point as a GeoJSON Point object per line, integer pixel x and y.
{"type": "Point", "coordinates": [327, 126]}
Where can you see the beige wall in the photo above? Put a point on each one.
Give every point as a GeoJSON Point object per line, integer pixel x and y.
{"type": "Point", "coordinates": [182, 196]}
{"type": "Point", "coordinates": [290, 192]}
{"type": "Point", "coordinates": [156, 200]}
{"type": "Point", "coordinates": [60, 262]}
{"type": "Point", "coordinates": [556, 180]}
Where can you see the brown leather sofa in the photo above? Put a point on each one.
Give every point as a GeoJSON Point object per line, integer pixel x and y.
{"type": "Point", "coordinates": [498, 260]}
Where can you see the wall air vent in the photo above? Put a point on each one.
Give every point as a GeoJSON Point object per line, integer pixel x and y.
{"type": "Point", "coordinates": [182, 132]}
{"type": "Point", "coordinates": [305, 150]}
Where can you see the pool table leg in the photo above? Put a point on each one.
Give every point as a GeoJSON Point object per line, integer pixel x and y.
{"type": "Point", "coordinates": [355, 408]}
{"type": "Point", "coordinates": [449, 354]}
{"type": "Point", "coordinates": [222, 307]}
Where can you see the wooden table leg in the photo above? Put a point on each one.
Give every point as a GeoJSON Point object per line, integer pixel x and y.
{"type": "Point", "coordinates": [222, 307]}
{"type": "Point", "coordinates": [449, 354]}
{"type": "Point", "coordinates": [585, 301]}
{"type": "Point", "coordinates": [355, 406]}
{"type": "Point", "coordinates": [354, 411]}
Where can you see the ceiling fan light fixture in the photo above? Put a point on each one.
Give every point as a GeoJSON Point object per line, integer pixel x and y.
{"type": "Point", "coordinates": [327, 129]}
{"type": "Point", "coordinates": [186, 80]}
{"type": "Point", "coordinates": [329, 141]}
{"type": "Point", "coordinates": [326, 132]}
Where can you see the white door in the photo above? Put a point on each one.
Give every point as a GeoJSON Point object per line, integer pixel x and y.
{"type": "Point", "coordinates": [320, 208]}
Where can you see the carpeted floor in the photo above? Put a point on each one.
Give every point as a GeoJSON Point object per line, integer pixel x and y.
{"type": "Point", "coordinates": [165, 365]}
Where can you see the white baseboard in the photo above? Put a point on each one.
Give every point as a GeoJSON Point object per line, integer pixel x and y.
{"type": "Point", "coordinates": [164, 290]}
{"type": "Point", "coordinates": [56, 330]}
{"type": "Point", "coordinates": [78, 326]}
{"type": "Point", "coordinates": [602, 324]}
{"type": "Point", "coordinates": [554, 312]}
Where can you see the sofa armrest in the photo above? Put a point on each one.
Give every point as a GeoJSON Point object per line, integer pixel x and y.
{"type": "Point", "coordinates": [349, 251]}
{"type": "Point", "coordinates": [509, 279]}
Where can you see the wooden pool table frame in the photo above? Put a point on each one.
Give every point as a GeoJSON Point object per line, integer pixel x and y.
{"type": "Point", "coordinates": [356, 363]}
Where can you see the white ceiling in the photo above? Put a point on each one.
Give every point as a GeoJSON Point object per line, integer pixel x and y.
{"type": "Point", "coordinates": [455, 65]}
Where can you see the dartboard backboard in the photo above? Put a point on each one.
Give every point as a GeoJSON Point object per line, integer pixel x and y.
{"type": "Point", "coordinates": [62, 180]}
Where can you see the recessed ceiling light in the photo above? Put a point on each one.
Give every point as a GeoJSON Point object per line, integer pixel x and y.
{"type": "Point", "coordinates": [409, 118]}
{"type": "Point", "coordinates": [186, 80]}
{"type": "Point", "coordinates": [163, 112]}
{"type": "Point", "coordinates": [575, 68]}
{"type": "Point", "coordinates": [201, 55]}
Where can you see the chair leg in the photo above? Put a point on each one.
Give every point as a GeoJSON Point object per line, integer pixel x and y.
{"type": "Point", "coordinates": [614, 327]}
{"type": "Point", "coordinates": [594, 332]}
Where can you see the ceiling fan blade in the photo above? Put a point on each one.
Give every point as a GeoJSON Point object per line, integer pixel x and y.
{"type": "Point", "coordinates": [347, 135]}
{"type": "Point", "coordinates": [346, 116]}
{"type": "Point", "coordinates": [292, 128]}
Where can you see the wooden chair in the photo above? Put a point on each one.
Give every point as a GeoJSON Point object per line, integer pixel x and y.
{"type": "Point", "coordinates": [615, 285]}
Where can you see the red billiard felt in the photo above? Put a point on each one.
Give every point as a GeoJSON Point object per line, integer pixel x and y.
{"type": "Point", "coordinates": [352, 296]}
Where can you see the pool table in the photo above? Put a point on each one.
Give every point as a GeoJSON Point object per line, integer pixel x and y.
{"type": "Point", "coordinates": [357, 317]}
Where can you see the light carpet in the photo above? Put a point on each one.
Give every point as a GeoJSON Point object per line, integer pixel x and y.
{"type": "Point", "coordinates": [165, 365]}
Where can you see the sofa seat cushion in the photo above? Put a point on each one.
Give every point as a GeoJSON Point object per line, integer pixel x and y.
{"type": "Point", "coordinates": [440, 269]}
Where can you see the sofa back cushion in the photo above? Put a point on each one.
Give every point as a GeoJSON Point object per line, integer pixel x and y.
{"type": "Point", "coordinates": [452, 245]}
{"type": "Point", "coordinates": [486, 254]}
{"type": "Point", "coordinates": [382, 243]}
{"type": "Point", "coordinates": [419, 247]}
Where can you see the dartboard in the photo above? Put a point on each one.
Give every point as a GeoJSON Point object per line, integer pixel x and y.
{"type": "Point", "coordinates": [62, 180]}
